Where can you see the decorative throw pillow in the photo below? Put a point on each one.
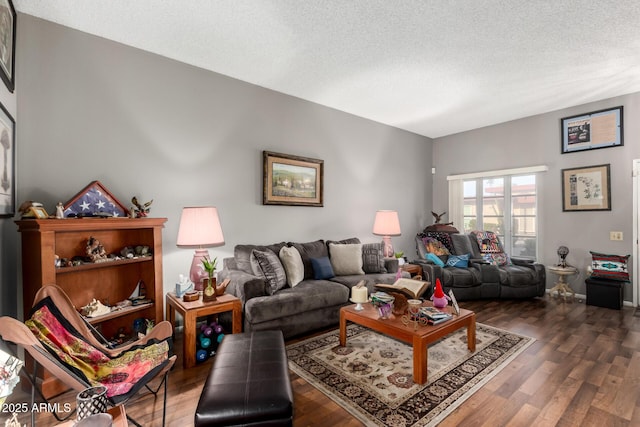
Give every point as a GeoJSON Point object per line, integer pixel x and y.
{"type": "Point", "coordinates": [346, 259]}
{"type": "Point", "coordinates": [613, 267]}
{"type": "Point", "coordinates": [435, 259]}
{"type": "Point", "coordinates": [322, 268]}
{"type": "Point", "coordinates": [310, 250]}
{"type": "Point", "coordinates": [292, 263]}
{"type": "Point", "coordinates": [435, 246]}
{"type": "Point", "coordinates": [349, 241]}
{"type": "Point", "coordinates": [458, 261]}
{"type": "Point", "coordinates": [372, 258]}
{"type": "Point", "coordinates": [270, 267]}
{"type": "Point", "coordinates": [488, 242]}
{"type": "Point", "coordinates": [500, 259]}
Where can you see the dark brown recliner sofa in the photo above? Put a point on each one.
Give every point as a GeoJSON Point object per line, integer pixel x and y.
{"type": "Point", "coordinates": [517, 278]}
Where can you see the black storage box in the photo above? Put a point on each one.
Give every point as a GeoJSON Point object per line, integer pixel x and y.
{"type": "Point", "coordinates": [605, 293]}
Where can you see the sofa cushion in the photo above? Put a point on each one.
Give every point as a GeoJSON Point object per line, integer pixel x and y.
{"type": "Point", "coordinates": [307, 296]}
{"type": "Point", "coordinates": [346, 259]}
{"type": "Point", "coordinates": [242, 254]}
{"type": "Point", "coordinates": [462, 244]}
{"type": "Point", "coordinates": [270, 267]}
{"type": "Point", "coordinates": [370, 280]}
{"type": "Point", "coordinates": [322, 268]}
{"type": "Point", "coordinates": [516, 276]}
{"type": "Point", "coordinates": [460, 277]}
{"type": "Point", "coordinates": [373, 258]}
{"type": "Point", "coordinates": [310, 250]}
{"type": "Point", "coordinates": [292, 263]}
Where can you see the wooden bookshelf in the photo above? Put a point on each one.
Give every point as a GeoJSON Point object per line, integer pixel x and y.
{"type": "Point", "coordinates": [110, 282]}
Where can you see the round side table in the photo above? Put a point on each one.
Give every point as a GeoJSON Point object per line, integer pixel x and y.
{"type": "Point", "coordinates": [561, 285]}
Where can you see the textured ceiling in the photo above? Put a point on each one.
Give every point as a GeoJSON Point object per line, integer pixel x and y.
{"type": "Point", "coordinates": [430, 67]}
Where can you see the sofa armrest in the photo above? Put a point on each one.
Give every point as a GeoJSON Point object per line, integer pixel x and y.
{"type": "Point", "coordinates": [478, 263]}
{"type": "Point", "coordinates": [229, 263]}
{"type": "Point", "coordinates": [525, 262]}
{"type": "Point", "coordinates": [430, 271]}
{"type": "Point", "coordinates": [391, 264]}
{"type": "Point", "coordinates": [243, 285]}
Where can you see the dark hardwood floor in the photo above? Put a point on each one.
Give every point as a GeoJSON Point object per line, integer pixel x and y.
{"type": "Point", "coordinates": [583, 370]}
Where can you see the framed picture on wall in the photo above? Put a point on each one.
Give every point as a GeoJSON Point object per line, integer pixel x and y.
{"type": "Point", "coordinates": [8, 165]}
{"type": "Point", "coordinates": [598, 129]}
{"type": "Point", "coordinates": [292, 180]}
{"type": "Point", "coordinates": [586, 189]}
{"type": "Point", "coordinates": [7, 43]}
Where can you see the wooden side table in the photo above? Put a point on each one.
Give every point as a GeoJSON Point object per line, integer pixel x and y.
{"type": "Point", "coordinates": [190, 312]}
{"type": "Point", "coordinates": [413, 269]}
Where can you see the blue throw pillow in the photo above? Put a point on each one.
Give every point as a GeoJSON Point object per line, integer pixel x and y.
{"type": "Point", "coordinates": [459, 261]}
{"type": "Point", "coordinates": [435, 259]}
{"type": "Point", "coordinates": [322, 268]}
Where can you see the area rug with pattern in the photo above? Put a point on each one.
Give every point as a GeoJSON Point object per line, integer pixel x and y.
{"type": "Point", "coordinates": [372, 376]}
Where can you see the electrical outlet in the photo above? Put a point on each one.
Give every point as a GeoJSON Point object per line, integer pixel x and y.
{"type": "Point", "coordinates": [615, 235]}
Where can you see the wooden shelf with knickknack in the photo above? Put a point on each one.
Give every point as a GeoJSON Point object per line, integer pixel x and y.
{"type": "Point", "coordinates": [46, 241]}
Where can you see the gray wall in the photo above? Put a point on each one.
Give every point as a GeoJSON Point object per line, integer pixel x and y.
{"type": "Point", "coordinates": [536, 141]}
{"type": "Point", "coordinates": [8, 256]}
{"type": "Point", "coordinates": [91, 109]}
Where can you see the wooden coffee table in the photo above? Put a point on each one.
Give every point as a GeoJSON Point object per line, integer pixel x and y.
{"type": "Point", "coordinates": [420, 337]}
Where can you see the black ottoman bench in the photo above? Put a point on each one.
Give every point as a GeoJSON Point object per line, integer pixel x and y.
{"type": "Point", "coordinates": [249, 383]}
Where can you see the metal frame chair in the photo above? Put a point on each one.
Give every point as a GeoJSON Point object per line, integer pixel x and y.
{"type": "Point", "coordinates": [16, 332]}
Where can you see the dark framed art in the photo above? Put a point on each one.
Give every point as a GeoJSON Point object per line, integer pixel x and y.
{"type": "Point", "coordinates": [94, 200]}
{"type": "Point", "coordinates": [598, 129]}
{"type": "Point", "coordinates": [292, 180]}
{"type": "Point", "coordinates": [8, 166]}
{"type": "Point", "coordinates": [7, 43]}
{"type": "Point", "coordinates": [586, 189]}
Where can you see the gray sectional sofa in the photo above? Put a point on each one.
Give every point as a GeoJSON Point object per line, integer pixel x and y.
{"type": "Point", "coordinates": [299, 287]}
{"type": "Point", "coordinates": [490, 272]}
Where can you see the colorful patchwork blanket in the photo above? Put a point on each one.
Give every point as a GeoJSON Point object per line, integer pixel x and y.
{"type": "Point", "coordinates": [118, 374]}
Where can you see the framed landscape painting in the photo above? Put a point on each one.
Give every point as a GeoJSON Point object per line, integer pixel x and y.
{"type": "Point", "coordinates": [292, 180]}
{"type": "Point", "coordinates": [586, 189]}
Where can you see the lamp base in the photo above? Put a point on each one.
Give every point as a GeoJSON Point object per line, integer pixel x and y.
{"type": "Point", "coordinates": [197, 272]}
{"type": "Point", "coordinates": [387, 248]}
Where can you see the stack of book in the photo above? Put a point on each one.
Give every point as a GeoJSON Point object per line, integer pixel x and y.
{"type": "Point", "coordinates": [434, 316]}
{"type": "Point", "coordinates": [379, 298]}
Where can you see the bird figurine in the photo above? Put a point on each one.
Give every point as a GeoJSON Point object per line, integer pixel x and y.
{"type": "Point", "coordinates": [439, 299]}
{"type": "Point", "coordinates": [141, 210]}
{"type": "Point", "coordinates": [222, 287]}
{"type": "Point", "coordinates": [438, 217]}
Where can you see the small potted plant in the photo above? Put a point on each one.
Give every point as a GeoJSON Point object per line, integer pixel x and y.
{"type": "Point", "coordinates": [400, 257]}
{"type": "Point", "coordinates": [209, 292]}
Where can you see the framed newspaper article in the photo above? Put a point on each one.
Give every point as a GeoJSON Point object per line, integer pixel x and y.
{"type": "Point", "coordinates": [598, 129]}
